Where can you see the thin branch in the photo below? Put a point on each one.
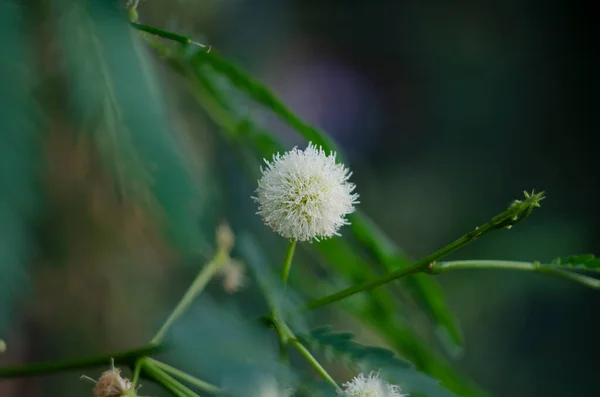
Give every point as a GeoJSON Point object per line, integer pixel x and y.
{"type": "Point", "coordinates": [518, 211]}
{"type": "Point", "coordinates": [205, 275]}
{"type": "Point", "coordinates": [127, 357]}
{"type": "Point", "coordinates": [550, 270]}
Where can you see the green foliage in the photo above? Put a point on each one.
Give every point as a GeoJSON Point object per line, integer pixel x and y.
{"type": "Point", "coordinates": [380, 313]}
{"type": "Point", "coordinates": [425, 290]}
{"type": "Point", "coordinates": [283, 301]}
{"type": "Point", "coordinates": [264, 96]}
{"type": "Point", "coordinates": [20, 159]}
{"type": "Point", "coordinates": [343, 347]}
{"type": "Point", "coordinates": [586, 262]}
{"type": "Point", "coordinates": [115, 102]}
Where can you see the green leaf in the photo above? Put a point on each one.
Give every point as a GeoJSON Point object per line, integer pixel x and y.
{"type": "Point", "coordinates": [382, 312]}
{"type": "Point", "coordinates": [586, 262]}
{"type": "Point", "coordinates": [425, 290]}
{"type": "Point", "coordinates": [264, 96]}
{"type": "Point", "coordinates": [20, 159]}
{"type": "Point", "coordinates": [115, 102]}
{"type": "Point", "coordinates": [343, 347]}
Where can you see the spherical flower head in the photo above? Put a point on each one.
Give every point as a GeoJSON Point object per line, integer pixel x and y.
{"type": "Point", "coordinates": [370, 386]}
{"type": "Point", "coordinates": [305, 194]}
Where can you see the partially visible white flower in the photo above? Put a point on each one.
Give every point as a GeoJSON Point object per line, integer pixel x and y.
{"type": "Point", "coordinates": [269, 387]}
{"type": "Point", "coordinates": [305, 194]}
{"type": "Point", "coordinates": [370, 386]}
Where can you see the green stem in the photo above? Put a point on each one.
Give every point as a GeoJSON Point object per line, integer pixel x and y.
{"type": "Point", "coordinates": [162, 33]}
{"type": "Point", "coordinates": [514, 214]}
{"type": "Point", "coordinates": [285, 273]}
{"type": "Point", "coordinates": [287, 262]}
{"type": "Point", "coordinates": [137, 369]}
{"type": "Point", "coordinates": [165, 34]}
{"type": "Point", "coordinates": [441, 267]}
{"type": "Point", "coordinates": [168, 381]}
{"type": "Point", "coordinates": [314, 363]}
{"type": "Point", "coordinates": [184, 376]}
{"type": "Point", "coordinates": [125, 357]}
{"type": "Point", "coordinates": [196, 288]}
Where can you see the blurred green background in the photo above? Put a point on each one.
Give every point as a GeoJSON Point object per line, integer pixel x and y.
{"type": "Point", "coordinates": [446, 111]}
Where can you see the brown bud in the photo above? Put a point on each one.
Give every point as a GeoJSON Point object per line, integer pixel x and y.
{"type": "Point", "coordinates": [225, 238]}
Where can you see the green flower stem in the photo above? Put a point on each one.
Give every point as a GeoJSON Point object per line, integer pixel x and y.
{"type": "Point", "coordinates": [277, 322]}
{"type": "Point", "coordinates": [287, 262]}
{"type": "Point", "coordinates": [442, 267]}
{"type": "Point", "coordinates": [518, 211]}
{"type": "Point", "coordinates": [168, 381]}
{"type": "Point", "coordinates": [125, 357]}
{"type": "Point", "coordinates": [184, 376]}
{"type": "Point", "coordinates": [314, 363]}
{"type": "Point", "coordinates": [207, 272]}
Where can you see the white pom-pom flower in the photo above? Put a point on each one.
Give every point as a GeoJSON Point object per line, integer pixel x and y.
{"type": "Point", "coordinates": [305, 194]}
{"type": "Point", "coordinates": [370, 386]}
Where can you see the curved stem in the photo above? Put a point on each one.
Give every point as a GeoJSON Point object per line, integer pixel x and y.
{"type": "Point", "coordinates": [514, 214]}
{"type": "Point", "coordinates": [207, 272]}
{"type": "Point", "coordinates": [549, 270]}
{"type": "Point", "coordinates": [314, 363]}
{"type": "Point", "coordinates": [125, 357]}
{"type": "Point", "coordinates": [287, 262]}
{"type": "Point", "coordinates": [184, 376]}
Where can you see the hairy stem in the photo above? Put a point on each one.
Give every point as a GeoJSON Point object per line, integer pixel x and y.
{"type": "Point", "coordinates": [514, 214]}
{"type": "Point", "coordinates": [441, 267]}
{"type": "Point", "coordinates": [125, 357]}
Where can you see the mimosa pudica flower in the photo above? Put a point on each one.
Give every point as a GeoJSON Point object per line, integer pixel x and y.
{"type": "Point", "coordinates": [305, 194]}
{"type": "Point", "coordinates": [370, 386]}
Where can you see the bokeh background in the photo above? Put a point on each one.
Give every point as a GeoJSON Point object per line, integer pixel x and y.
{"type": "Point", "coordinates": [446, 111]}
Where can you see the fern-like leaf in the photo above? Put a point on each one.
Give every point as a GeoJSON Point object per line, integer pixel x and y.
{"type": "Point", "coordinates": [342, 347]}
{"type": "Point", "coordinates": [586, 262]}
